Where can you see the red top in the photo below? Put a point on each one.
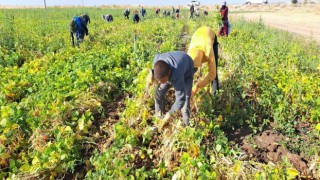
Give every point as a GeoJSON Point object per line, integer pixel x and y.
{"type": "Point", "coordinates": [224, 12]}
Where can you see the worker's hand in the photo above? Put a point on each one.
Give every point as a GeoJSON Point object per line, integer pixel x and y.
{"type": "Point", "coordinates": [194, 90]}
{"type": "Point", "coordinates": [164, 121]}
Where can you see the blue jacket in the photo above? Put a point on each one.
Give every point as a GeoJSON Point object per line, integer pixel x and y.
{"type": "Point", "coordinates": [81, 25]}
{"type": "Point", "coordinates": [182, 72]}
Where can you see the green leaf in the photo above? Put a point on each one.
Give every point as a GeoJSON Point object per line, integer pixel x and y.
{"type": "Point", "coordinates": [25, 167]}
{"type": "Point", "coordinates": [3, 122]}
{"type": "Point", "coordinates": [218, 147]}
{"type": "Point", "coordinates": [81, 124]}
{"type": "Point", "coordinates": [292, 173]}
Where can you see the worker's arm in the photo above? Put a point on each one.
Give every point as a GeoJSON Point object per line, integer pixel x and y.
{"type": "Point", "coordinates": [211, 74]}
{"type": "Point", "coordinates": [179, 87]}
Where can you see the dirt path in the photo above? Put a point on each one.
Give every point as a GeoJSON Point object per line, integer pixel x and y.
{"type": "Point", "coordinates": [300, 19]}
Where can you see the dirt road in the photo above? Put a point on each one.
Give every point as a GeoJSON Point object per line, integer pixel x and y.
{"type": "Point", "coordinates": [300, 20]}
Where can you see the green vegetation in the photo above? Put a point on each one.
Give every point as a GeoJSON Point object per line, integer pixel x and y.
{"type": "Point", "coordinates": [84, 112]}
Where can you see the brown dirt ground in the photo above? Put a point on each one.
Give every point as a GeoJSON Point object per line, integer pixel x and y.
{"type": "Point", "coordinates": [267, 146]}
{"type": "Point", "coordinates": [300, 19]}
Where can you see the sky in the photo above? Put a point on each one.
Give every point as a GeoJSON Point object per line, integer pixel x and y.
{"type": "Point", "coordinates": [114, 2]}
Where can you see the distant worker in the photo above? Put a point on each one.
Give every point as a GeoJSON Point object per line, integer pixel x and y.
{"type": "Point", "coordinates": [168, 13]}
{"type": "Point", "coordinates": [177, 13]}
{"type": "Point", "coordinates": [197, 13]}
{"type": "Point", "coordinates": [108, 17]}
{"type": "Point", "coordinates": [136, 17]}
{"type": "Point", "coordinates": [225, 22]}
{"type": "Point", "coordinates": [191, 10]}
{"type": "Point", "coordinates": [78, 26]}
{"type": "Point", "coordinates": [172, 69]}
{"type": "Point", "coordinates": [164, 13]}
{"type": "Point", "coordinates": [204, 49]}
{"type": "Point", "coordinates": [157, 11]}
{"type": "Point", "coordinates": [143, 11]}
{"type": "Point", "coordinates": [126, 13]}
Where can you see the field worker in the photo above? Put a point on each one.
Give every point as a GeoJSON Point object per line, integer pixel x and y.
{"type": "Point", "coordinates": [172, 69]}
{"type": "Point", "coordinates": [164, 13]}
{"type": "Point", "coordinates": [177, 13]}
{"type": "Point", "coordinates": [157, 11]}
{"type": "Point", "coordinates": [108, 17]}
{"type": "Point", "coordinates": [143, 11]}
{"type": "Point", "coordinates": [191, 11]}
{"type": "Point", "coordinates": [197, 13]}
{"type": "Point", "coordinates": [126, 13]}
{"type": "Point", "coordinates": [204, 49]}
{"type": "Point", "coordinates": [225, 23]}
{"type": "Point", "coordinates": [136, 17]}
{"type": "Point", "coordinates": [79, 26]}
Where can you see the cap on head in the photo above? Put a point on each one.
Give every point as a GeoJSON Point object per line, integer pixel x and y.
{"type": "Point", "coordinates": [161, 70]}
{"type": "Point", "coordinates": [224, 3]}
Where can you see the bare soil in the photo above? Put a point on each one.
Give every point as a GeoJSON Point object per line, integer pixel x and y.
{"type": "Point", "coordinates": [268, 146]}
{"type": "Point", "coordinates": [300, 19]}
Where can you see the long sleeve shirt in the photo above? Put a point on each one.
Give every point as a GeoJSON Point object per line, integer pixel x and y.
{"type": "Point", "coordinates": [181, 66]}
{"type": "Point", "coordinates": [224, 12]}
{"type": "Point", "coordinates": [201, 51]}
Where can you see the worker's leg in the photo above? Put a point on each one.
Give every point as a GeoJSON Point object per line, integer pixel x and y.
{"type": "Point", "coordinates": [225, 29]}
{"type": "Point", "coordinates": [186, 110]}
{"type": "Point", "coordinates": [215, 83]}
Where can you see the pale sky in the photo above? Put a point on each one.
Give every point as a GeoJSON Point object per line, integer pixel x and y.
{"type": "Point", "coordinates": [116, 2]}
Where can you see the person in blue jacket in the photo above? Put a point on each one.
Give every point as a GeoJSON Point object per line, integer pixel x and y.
{"type": "Point", "coordinates": [78, 26]}
{"type": "Point", "coordinates": [143, 11]}
{"type": "Point", "coordinates": [172, 69]}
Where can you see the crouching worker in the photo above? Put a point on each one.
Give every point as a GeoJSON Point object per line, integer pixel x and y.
{"type": "Point", "coordinates": [204, 49]}
{"type": "Point", "coordinates": [172, 69]}
{"type": "Point", "coordinates": [78, 26]}
{"type": "Point", "coordinates": [108, 17]}
{"type": "Point", "coordinates": [136, 17]}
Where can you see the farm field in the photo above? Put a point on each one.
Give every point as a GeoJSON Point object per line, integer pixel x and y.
{"type": "Point", "coordinates": [84, 112]}
{"type": "Point", "coordinates": [302, 19]}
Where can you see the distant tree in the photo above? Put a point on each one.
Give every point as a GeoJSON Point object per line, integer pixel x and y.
{"type": "Point", "coordinates": [294, 1]}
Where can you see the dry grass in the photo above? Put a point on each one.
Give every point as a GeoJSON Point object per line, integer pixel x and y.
{"type": "Point", "coordinates": [311, 8]}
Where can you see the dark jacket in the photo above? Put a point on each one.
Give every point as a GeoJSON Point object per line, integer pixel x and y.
{"type": "Point", "coordinates": [191, 9]}
{"type": "Point", "coordinates": [136, 18]}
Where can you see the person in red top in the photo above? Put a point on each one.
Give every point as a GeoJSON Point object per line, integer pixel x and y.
{"type": "Point", "coordinates": [225, 23]}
